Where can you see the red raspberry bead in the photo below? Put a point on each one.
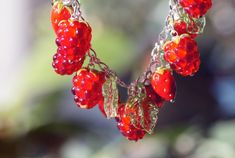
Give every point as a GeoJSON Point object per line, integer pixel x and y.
{"type": "Point", "coordinates": [126, 128]}
{"type": "Point", "coordinates": [182, 27]}
{"type": "Point", "coordinates": [87, 88]}
{"type": "Point", "coordinates": [163, 84]}
{"type": "Point", "coordinates": [68, 33]}
{"type": "Point", "coordinates": [69, 42]}
{"type": "Point", "coordinates": [67, 60]}
{"type": "Point", "coordinates": [85, 36]}
{"type": "Point", "coordinates": [183, 55]}
{"type": "Point", "coordinates": [153, 97]}
{"type": "Point", "coordinates": [74, 34]}
{"type": "Point", "coordinates": [196, 8]}
{"type": "Point", "coordinates": [59, 13]}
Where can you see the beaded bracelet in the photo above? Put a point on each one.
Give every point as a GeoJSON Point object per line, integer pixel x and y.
{"type": "Point", "coordinates": [96, 84]}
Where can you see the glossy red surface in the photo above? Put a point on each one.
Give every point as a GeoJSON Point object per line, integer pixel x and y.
{"type": "Point", "coordinates": [164, 84]}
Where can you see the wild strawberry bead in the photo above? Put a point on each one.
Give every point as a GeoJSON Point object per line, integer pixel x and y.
{"type": "Point", "coordinates": [163, 84]}
{"type": "Point", "coordinates": [59, 13]}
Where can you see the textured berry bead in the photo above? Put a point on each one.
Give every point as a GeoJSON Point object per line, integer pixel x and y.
{"type": "Point", "coordinates": [183, 55]}
{"type": "Point", "coordinates": [163, 84]}
{"type": "Point", "coordinates": [196, 8]}
{"type": "Point", "coordinates": [182, 27]}
{"type": "Point", "coordinates": [126, 128]}
{"type": "Point", "coordinates": [67, 60]}
{"type": "Point", "coordinates": [58, 14]}
{"type": "Point", "coordinates": [87, 88]}
{"type": "Point", "coordinates": [74, 34]}
{"type": "Point", "coordinates": [68, 33]}
{"type": "Point", "coordinates": [85, 35]}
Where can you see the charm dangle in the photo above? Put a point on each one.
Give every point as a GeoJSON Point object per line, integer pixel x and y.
{"type": "Point", "coordinates": [95, 84]}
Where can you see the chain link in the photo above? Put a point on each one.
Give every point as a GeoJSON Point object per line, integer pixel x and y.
{"type": "Point", "coordinates": [157, 55]}
{"type": "Point", "coordinates": [104, 67]}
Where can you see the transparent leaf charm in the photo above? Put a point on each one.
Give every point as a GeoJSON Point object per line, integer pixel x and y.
{"type": "Point", "coordinates": [195, 25]}
{"type": "Point", "coordinates": [200, 24]}
{"type": "Point", "coordinates": [143, 116]}
{"type": "Point", "coordinates": [149, 117]}
{"type": "Point", "coordinates": [143, 112]}
{"type": "Point", "coordinates": [110, 93]}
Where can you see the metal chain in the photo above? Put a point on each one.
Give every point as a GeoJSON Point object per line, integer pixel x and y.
{"type": "Point", "coordinates": [92, 53]}
{"type": "Point", "coordinates": [157, 54]}
{"type": "Point", "coordinates": [75, 4]}
{"type": "Point", "coordinates": [76, 9]}
{"type": "Point", "coordinates": [157, 58]}
{"type": "Point", "coordinates": [104, 67]}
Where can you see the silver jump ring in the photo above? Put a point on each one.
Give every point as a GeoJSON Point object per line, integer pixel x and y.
{"type": "Point", "coordinates": [68, 2]}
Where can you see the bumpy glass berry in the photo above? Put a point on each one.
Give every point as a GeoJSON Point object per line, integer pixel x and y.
{"type": "Point", "coordinates": [67, 60]}
{"type": "Point", "coordinates": [126, 128]}
{"type": "Point", "coordinates": [74, 34]}
{"type": "Point", "coordinates": [183, 55]}
{"type": "Point", "coordinates": [87, 88]}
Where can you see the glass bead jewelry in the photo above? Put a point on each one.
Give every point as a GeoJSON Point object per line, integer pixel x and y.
{"type": "Point", "coordinates": [95, 84]}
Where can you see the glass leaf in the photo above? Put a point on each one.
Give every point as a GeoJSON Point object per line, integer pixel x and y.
{"type": "Point", "coordinates": [110, 93]}
{"type": "Point", "coordinates": [149, 117]}
{"type": "Point", "coordinates": [195, 25]}
{"type": "Point", "coordinates": [144, 115]}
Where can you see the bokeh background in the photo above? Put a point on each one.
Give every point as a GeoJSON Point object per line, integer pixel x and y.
{"type": "Point", "coordinates": [38, 118]}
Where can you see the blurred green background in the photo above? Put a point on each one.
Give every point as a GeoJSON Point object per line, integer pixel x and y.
{"type": "Point", "coordinates": [38, 118]}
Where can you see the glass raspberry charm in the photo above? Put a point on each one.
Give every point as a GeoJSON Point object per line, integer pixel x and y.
{"type": "Point", "coordinates": [84, 36]}
{"type": "Point", "coordinates": [59, 13]}
{"type": "Point", "coordinates": [182, 27]}
{"type": "Point", "coordinates": [73, 40]}
{"type": "Point", "coordinates": [74, 34]}
{"type": "Point", "coordinates": [67, 60]}
{"type": "Point", "coordinates": [163, 84]}
{"type": "Point", "coordinates": [87, 88]}
{"type": "Point", "coordinates": [126, 128]}
{"type": "Point", "coordinates": [183, 55]}
{"type": "Point", "coordinates": [196, 8]}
